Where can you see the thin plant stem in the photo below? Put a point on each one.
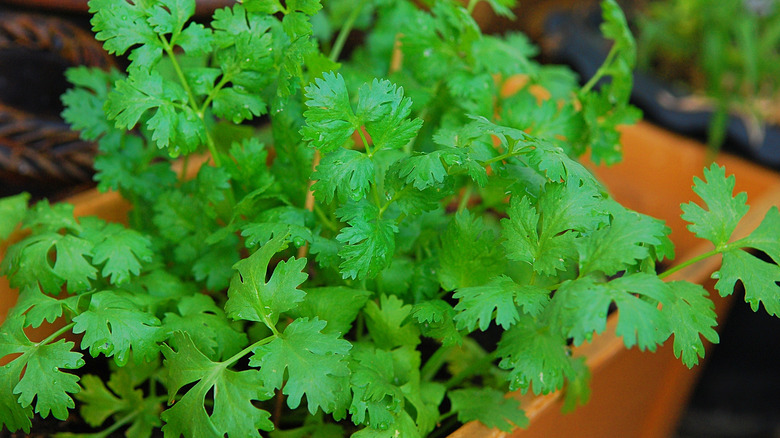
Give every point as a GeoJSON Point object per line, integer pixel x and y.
{"type": "Point", "coordinates": [310, 203]}
{"type": "Point", "coordinates": [690, 262]}
{"type": "Point", "coordinates": [464, 199]}
{"type": "Point", "coordinates": [472, 4]}
{"type": "Point", "coordinates": [233, 359]}
{"type": "Point", "coordinates": [471, 370]}
{"type": "Point", "coordinates": [278, 406]}
{"type": "Point", "coordinates": [341, 39]}
{"type": "Point", "coordinates": [116, 426]}
{"type": "Point", "coordinates": [57, 334]}
{"type": "Point", "coordinates": [191, 97]}
{"type": "Point", "coordinates": [599, 73]}
{"type": "Point", "coordinates": [434, 363]}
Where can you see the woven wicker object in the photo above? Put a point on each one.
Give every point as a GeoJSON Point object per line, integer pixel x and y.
{"type": "Point", "coordinates": [38, 151]}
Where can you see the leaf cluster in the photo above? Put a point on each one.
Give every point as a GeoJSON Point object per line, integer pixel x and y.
{"type": "Point", "coordinates": [338, 260]}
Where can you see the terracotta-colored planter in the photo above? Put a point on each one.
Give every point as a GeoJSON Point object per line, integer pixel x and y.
{"type": "Point", "coordinates": [634, 394]}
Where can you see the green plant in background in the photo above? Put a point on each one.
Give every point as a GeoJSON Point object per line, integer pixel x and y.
{"type": "Point", "coordinates": [729, 52]}
{"type": "Point", "coordinates": [362, 216]}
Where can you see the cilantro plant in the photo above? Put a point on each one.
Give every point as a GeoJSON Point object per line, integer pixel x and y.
{"type": "Point", "coordinates": [361, 218]}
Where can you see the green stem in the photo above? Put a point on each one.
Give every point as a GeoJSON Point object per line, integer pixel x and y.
{"type": "Point", "coordinates": [325, 219]}
{"type": "Point", "coordinates": [444, 417]}
{"type": "Point", "coordinates": [185, 162]}
{"type": "Point", "coordinates": [365, 142]}
{"type": "Point", "coordinates": [471, 370]}
{"type": "Point", "coordinates": [360, 326]}
{"type": "Point", "coordinates": [464, 200]}
{"type": "Point", "coordinates": [233, 359]}
{"type": "Point", "coordinates": [434, 363]}
{"type": "Point", "coordinates": [177, 68]}
{"type": "Point", "coordinates": [222, 82]}
{"type": "Point", "coordinates": [121, 422]}
{"type": "Point", "coordinates": [506, 155]}
{"type": "Point", "coordinates": [191, 97]}
{"type": "Point", "coordinates": [691, 261]}
{"type": "Point", "coordinates": [136, 212]}
{"type": "Point", "coordinates": [600, 72]}
{"type": "Point", "coordinates": [57, 334]}
{"type": "Point", "coordinates": [341, 39]}
{"type": "Point", "coordinates": [471, 6]}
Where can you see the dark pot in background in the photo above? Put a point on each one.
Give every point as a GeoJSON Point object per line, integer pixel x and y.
{"type": "Point", "coordinates": [573, 38]}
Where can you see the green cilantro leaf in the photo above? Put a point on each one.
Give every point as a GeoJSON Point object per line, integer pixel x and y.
{"type": "Point", "coordinates": [477, 304]}
{"type": "Point", "coordinates": [252, 298]}
{"type": "Point", "coordinates": [84, 103]}
{"type": "Point", "coordinates": [535, 356]}
{"type": "Point", "coordinates": [207, 327]}
{"type": "Point", "coordinates": [120, 250]}
{"type": "Point", "coordinates": [390, 127]}
{"type": "Point", "coordinates": [43, 381]}
{"type": "Point", "coordinates": [170, 16]}
{"type": "Point", "coordinates": [608, 107]}
{"type": "Point", "coordinates": [114, 324]}
{"type": "Point", "coordinates": [330, 120]}
{"type": "Point", "coordinates": [577, 390]}
{"type": "Point", "coordinates": [28, 263]}
{"type": "Point", "coordinates": [12, 415]}
{"type": "Point", "coordinates": [44, 217]}
{"type": "Point", "coordinates": [584, 303]}
{"type": "Point", "coordinates": [315, 364]}
{"type": "Point", "coordinates": [243, 49]}
{"type": "Point", "coordinates": [195, 40]}
{"type": "Point", "coordinates": [489, 406]}
{"type": "Point", "coordinates": [174, 125]}
{"type": "Point", "coordinates": [691, 317]}
{"type": "Point", "coordinates": [345, 173]}
{"type": "Point", "coordinates": [758, 276]}
{"type": "Point", "coordinates": [215, 264]}
{"type": "Point", "coordinates": [369, 240]}
{"type": "Point", "coordinates": [402, 425]}
{"type": "Point", "coordinates": [13, 209]}
{"type": "Point", "coordinates": [121, 397]}
{"type": "Point", "coordinates": [389, 324]}
{"type": "Point", "coordinates": [338, 305]}
{"type": "Point", "coordinates": [381, 109]}
{"type": "Point", "coordinates": [233, 412]}
{"type": "Point", "coordinates": [279, 222]}
{"type": "Point", "coordinates": [547, 241]}
{"type": "Point", "coordinates": [122, 26]}
{"type": "Point", "coordinates": [502, 296]}
{"type": "Point", "coordinates": [38, 307]}
{"type": "Point", "coordinates": [724, 211]}
{"type": "Point", "coordinates": [628, 238]}
{"type": "Point", "coordinates": [470, 255]}
{"type": "Point", "coordinates": [423, 170]}
{"type": "Point", "coordinates": [436, 320]}
{"type": "Point", "coordinates": [238, 105]}
{"type": "Point", "coordinates": [374, 385]}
